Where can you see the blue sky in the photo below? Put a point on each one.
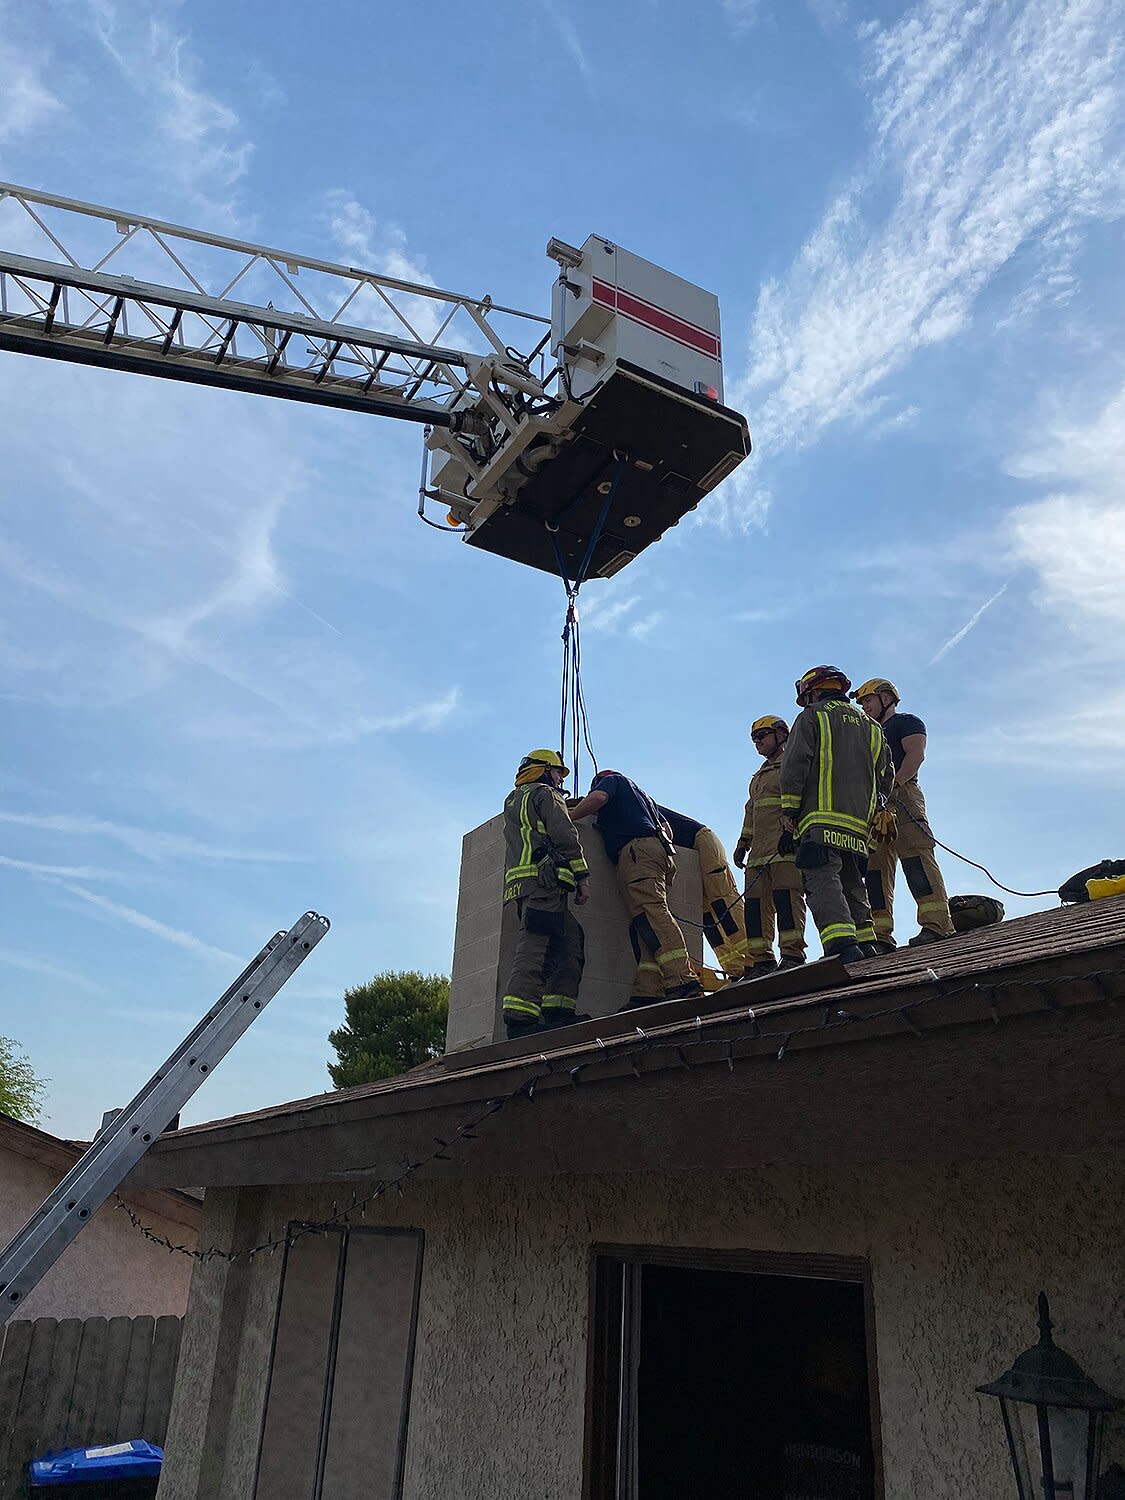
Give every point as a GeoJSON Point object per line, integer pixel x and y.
{"type": "Point", "coordinates": [238, 679]}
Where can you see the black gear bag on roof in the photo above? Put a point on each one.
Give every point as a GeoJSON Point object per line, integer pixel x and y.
{"type": "Point", "coordinates": [1074, 889]}
{"type": "Point", "coordinates": [971, 912]}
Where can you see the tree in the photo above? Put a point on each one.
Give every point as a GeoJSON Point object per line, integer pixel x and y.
{"type": "Point", "coordinates": [21, 1090]}
{"type": "Point", "coordinates": [391, 1024]}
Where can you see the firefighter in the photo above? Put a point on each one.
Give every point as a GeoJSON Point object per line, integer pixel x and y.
{"type": "Point", "coordinates": [723, 922]}
{"type": "Point", "coordinates": [639, 843]}
{"type": "Point", "coordinates": [545, 866]}
{"type": "Point", "coordinates": [913, 843]}
{"type": "Point", "coordinates": [775, 897]}
{"type": "Point", "coordinates": [835, 771]}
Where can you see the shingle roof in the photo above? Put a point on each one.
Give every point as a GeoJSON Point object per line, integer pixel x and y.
{"type": "Point", "coordinates": [1092, 935]}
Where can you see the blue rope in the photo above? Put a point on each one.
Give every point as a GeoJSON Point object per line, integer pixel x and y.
{"type": "Point", "coordinates": [560, 564]}
{"type": "Point", "coordinates": [596, 534]}
{"type": "Point", "coordinates": [572, 695]}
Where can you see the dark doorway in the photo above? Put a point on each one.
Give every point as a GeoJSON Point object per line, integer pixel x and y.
{"type": "Point", "coordinates": [711, 1382]}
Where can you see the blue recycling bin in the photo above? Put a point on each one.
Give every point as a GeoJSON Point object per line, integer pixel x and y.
{"type": "Point", "coordinates": [111, 1471]}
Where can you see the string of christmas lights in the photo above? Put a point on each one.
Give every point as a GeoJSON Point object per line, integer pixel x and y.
{"type": "Point", "coordinates": [632, 1048]}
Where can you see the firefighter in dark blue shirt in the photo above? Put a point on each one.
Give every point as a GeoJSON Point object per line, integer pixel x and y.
{"type": "Point", "coordinates": [913, 845]}
{"type": "Point", "coordinates": [639, 842]}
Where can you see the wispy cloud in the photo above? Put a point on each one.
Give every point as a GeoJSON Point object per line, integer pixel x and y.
{"type": "Point", "coordinates": [640, 630]}
{"type": "Point", "coordinates": [26, 103]}
{"type": "Point", "coordinates": [605, 615]}
{"type": "Point", "coordinates": [830, 15]}
{"type": "Point", "coordinates": [149, 1015]}
{"type": "Point", "coordinates": [1086, 740]}
{"type": "Point", "coordinates": [68, 872]}
{"type": "Point", "coordinates": [959, 635]}
{"type": "Point", "coordinates": [150, 843]}
{"type": "Point", "coordinates": [760, 616]}
{"type": "Point", "coordinates": [740, 506]}
{"type": "Point", "coordinates": [33, 965]}
{"type": "Point", "coordinates": [253, 580]}
{"type": "Point", "coordinates": [1074, 538]}
{"type": "Point", "coordinates": [345, 729]}
{"type": "Point", "coordinates": [996, 129]}
{"type": "Point", "coordinates": [742, 14]}
{"type": "Point", "coordinates": [561, 19]}
{"type": "Point", "coordinates": [300, 697]}
{"type": "Point", "coordinates": [128, 914]}
{"type": "Point", "coordinates": [365, 242]}
{"type": "Point", "coordinates": [1071, 541]}
{"type": "Point", "coordinates": [608, 616]}
{"type": "Point", "coordinates": [199, 138]}
{"type": "Point", "coordinates": [897, 421]}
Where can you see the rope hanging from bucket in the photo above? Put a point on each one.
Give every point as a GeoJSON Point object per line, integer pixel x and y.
{"type": "Point", "coordinates": [574, 723]}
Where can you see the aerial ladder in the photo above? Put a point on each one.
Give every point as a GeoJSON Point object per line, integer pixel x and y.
{"type": "Point", "coordinates": [127, 1136]}
{"type": "Point", "coordinates": [569, 443]}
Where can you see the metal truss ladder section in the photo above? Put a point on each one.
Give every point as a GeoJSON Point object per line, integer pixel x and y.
{"type": "Point", "coordinates": [110, 1158]}
{"type": "Point", "coordinates": [64, 295]}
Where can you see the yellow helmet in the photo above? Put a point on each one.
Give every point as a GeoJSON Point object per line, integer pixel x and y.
{"type": "Point", "coordinates": [535, 762]}
{"type": "Point", "coordinates": [768, 721]}
{"type": "Point", "coordinates": [877, 685]}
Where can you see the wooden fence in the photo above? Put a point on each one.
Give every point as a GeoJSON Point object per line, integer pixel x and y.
{"type": "Point", "coordinates": [73, 1383]}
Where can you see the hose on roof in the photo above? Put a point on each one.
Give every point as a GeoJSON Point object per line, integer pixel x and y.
{"type": "Point", "coordinates": [999, 884]}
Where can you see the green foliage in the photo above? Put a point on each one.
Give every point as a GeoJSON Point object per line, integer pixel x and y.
{"type": "Point", "coordinates": [21, 1090]}
{"type": "Point", "coordinates": [391, 1024]}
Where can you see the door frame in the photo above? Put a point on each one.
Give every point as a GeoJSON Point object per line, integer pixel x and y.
{"type": "Point", "coordinates": [613, 1273]}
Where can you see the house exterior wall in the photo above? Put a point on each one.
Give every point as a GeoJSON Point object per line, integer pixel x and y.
{"type": "Point", "coordinates": [486, 933]}
{"type": "Point", "coordinates": [957, 1255]}
{"type": "Point", "coordinates": [110, 1270]}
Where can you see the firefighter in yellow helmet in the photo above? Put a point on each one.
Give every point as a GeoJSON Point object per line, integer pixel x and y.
{"type": "Point", "coordinates": [775, 896]}
{"type": "Point", "coordinates": [545, 867]}
{"type": "Point", "coordinates": [835, 771]}
{"type": "Point", "coordinates": [913, 843]}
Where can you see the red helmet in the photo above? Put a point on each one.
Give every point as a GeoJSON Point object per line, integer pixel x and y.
{"type": "Point", "coordinates": [820, 680]}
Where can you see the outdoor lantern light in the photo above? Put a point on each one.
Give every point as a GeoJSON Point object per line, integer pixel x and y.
{"type": "Point", "coordinates": [1053, 1418]}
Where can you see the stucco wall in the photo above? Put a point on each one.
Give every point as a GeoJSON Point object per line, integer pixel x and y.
{"type": "Point", "coordinates": [957, 1253]}
{"type": "Point", "coordinates": [110, 1270]}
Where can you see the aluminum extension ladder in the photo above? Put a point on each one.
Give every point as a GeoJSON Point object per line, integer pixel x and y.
{"type": "Point", "coordinates": [117, 1149]}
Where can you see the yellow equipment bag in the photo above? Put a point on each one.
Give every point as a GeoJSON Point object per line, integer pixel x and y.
{"type": "Point", "coordinates": [1113, 886]}
{"type": "Point", "coordinates": [708, 978]}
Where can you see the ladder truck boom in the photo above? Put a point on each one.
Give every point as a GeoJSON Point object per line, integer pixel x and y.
{"type": "Point", "coordinates": [579, 437]}
{"type": "Point", "coordinates": [125, 1139]}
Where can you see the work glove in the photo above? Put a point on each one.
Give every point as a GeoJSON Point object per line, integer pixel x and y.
{"type": "Point", "coordinates": [786, 843]}
{"type": "Point", "coordinates": [741, 850]}
{"type": "Point", "coordinates": [885, 826]}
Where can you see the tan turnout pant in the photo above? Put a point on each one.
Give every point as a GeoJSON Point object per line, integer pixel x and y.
{"type": "Point", "coordinates": [775, 904]}
{"type": "Point", "coordinates": [914, 850]}
{"type": "Point", "coordinates": [645, 870]}
{"type": "Point", "coordinates": [724, 923]}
